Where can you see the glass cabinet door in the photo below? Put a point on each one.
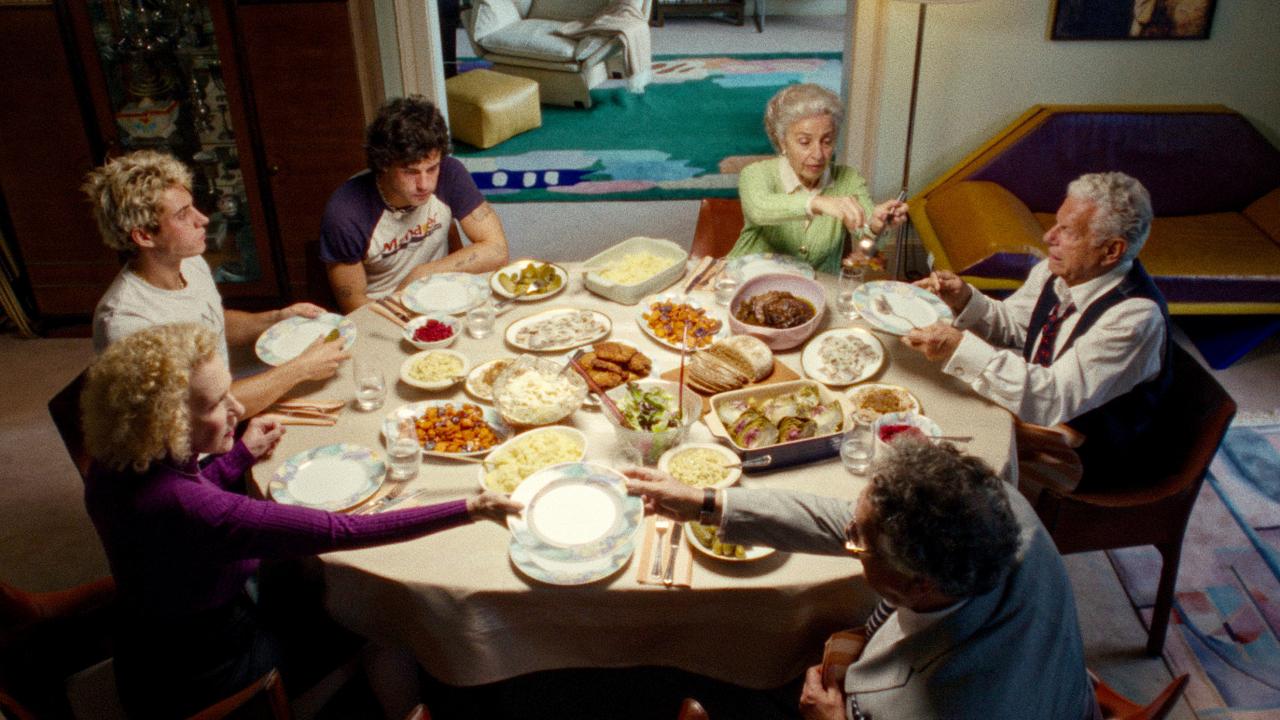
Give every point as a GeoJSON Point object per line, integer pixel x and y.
{"type": "Point", "coordinates": [165, 85]}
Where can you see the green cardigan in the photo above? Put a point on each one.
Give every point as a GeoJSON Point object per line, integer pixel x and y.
{"type": "Point", "coordinates": [775, 220]}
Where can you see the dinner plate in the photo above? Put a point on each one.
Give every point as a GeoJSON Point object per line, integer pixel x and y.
{"type": "Point", "coordinates": [912, 306]}
{"type": "Point", "coordinates": [868, 415]}
{"type": "Point", "coordinates": [450, 293]}
{"type": "Point", "coordinates": [646, 306]}
{"type": "Point", "coordinates": [496, 285]}
{"type": "Point", "coordinates": [475, 384]}
{"type": "Point", "coordinates": [753, 552]}
{"type": "Point", "coordinates": [575, 512]}
{"type": "Point", "coordinates": [558, 572]}
{"type": "Point", "coordinates": [590, 327]}
{"type": "Point", "coordinates": [574, 434]}
{"type": "Point", "coordinates": [838, 366]}
{"type": "Point", "coordinates": [285, 340]}
{"type": "Point", "coordinates": [412, 411]}
{"type": "Point", "coordinates": [749, 266]}
{"type": "Point", "coordinates": [727, 457]}
{"type": "Point", "coordinates": [332, 477]}
{"type": "Point", "coordinates": [406, 370]}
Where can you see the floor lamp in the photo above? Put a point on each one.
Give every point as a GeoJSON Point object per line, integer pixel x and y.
{"type": "Point", "coordinates": [900, 255]}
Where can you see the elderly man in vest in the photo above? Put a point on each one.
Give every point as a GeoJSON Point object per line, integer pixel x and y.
{"type": "Point", "coordinates": [1079, 353]}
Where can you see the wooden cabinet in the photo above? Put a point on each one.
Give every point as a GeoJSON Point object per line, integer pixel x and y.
{"type": "Point", "coordinates": [732, 9]}
{"type": "Point", "coordinates": [266, 101]}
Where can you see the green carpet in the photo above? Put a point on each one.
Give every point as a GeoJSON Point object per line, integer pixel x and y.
{"type": "Point", "coordinates": [684, 138]}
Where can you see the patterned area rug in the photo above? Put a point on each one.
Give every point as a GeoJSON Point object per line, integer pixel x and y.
{"type": "Point", "coordinates": [685, 137]}
{"type": "Point", "coordinates": [1226, 620]}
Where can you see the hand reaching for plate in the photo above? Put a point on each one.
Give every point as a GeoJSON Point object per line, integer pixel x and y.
{"type": "Point", "coordinates": [261, 436]}
{"type": "Point", "coordinates": [492, 506]}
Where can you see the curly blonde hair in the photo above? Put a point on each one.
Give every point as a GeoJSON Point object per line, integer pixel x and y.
{"type": "Point", "coordinates": [135, 404]}
{"type": "Point", "coordinates": [126, 194]}
{"type": "Point", "coordinates": [796, 102]}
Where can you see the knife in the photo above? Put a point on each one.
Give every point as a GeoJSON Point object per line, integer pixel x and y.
{"type": "Point", "coordinates": [668, 577]}
{"type": "Point", "coordinates": [389, 502]}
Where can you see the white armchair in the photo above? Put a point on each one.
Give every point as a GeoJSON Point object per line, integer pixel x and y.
{"type": "Point", "coordinates": [519, 38]}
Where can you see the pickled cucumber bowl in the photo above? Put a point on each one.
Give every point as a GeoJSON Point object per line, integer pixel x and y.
{"type": "Point", "coordinates": [528, 280]}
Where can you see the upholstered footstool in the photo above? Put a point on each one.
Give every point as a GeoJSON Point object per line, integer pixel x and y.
{"type": "Point", "coordinates": [486, 107]}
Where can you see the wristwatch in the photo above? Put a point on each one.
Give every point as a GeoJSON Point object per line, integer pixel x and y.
{"type": "Point", "coordinates": [707, 513]}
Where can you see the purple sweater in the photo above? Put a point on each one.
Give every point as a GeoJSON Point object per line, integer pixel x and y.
{"type": "Point", "coordinates": [181, 541]}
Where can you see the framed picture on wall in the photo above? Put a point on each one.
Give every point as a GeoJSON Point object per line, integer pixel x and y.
{"type": "Point", "coordinates": [1130, 19]}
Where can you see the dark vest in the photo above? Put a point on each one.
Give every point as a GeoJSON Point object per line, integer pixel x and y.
{"type": "Point", "coordinates": [1114, 432]}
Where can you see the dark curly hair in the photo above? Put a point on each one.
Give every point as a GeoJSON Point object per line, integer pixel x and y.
{"type": "Point", "coordinates": [944, 516]}
{"type": "Point", "coordinates": [406, 130]}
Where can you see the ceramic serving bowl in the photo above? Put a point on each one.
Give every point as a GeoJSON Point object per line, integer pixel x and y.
{"type": "Point", "coordinates": [411, 374]}
{"type": "Point", "coordinates": [895, 427]}
{"type": "Point", "coordinates": [455, 327]}
{"type": "Point", "coordinates": [779, 338]}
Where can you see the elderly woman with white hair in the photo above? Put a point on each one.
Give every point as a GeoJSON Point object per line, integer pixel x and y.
{"type": "Point", "coordinates": [182, 538]}
{"type": "Point", "coordinates": [800, 203]}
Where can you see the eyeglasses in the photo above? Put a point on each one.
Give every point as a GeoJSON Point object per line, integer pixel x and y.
{"type": "Point", "coordinates": [853, 542]}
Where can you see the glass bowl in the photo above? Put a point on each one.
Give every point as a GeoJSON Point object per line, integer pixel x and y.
{"type": "Point", "coordinates": [535, 391]}
{"type": "Point", "coordinates": [645, 447]}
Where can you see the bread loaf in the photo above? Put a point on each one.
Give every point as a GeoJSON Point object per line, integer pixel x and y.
{"type": "Point", "coordinates": [755, 352]}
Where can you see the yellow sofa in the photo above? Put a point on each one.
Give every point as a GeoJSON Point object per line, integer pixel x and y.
{"type": "Point", "coordinates": [1214, 180]}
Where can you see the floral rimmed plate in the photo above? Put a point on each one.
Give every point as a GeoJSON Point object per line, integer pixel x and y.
{"type": "Point", "coordinates": [908, 306]}
{"type": "Point", "coordinates": [413, 411]}
{"type": "Point", "coordinates": [746, 267]}
{"type": "Point", "coordinates": [515, 268]}
{"type": "Point", "coordinates": [450, 293]}
{"type": "Point", "coordinates": [842, 356]}
{"type": "Point", "coordinates": [663, 310]}
{"type": "Point", "coordinates": [558, 329]}
{"type": "Point", "coordinates": [332, 477]}
{"type": "Point", "coordinates": [862, 397]}
{"type": "Point", "coordinates": [575, 512]}
{"type": "Point", "coordinates": [750, 552]}
{"type": "Point", "coordinates": [557, 572]}
{"type": "Point", "coordinates": [285, 340]}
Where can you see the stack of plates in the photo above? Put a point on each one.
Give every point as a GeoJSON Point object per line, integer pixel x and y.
{"type": "Point", "coordinates": [578, 525]}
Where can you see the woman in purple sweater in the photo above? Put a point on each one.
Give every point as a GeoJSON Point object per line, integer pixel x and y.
{"type": "Point", "coordinates": [182, 540]}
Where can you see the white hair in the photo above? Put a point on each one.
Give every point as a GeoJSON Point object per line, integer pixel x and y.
{"type": "Point", "coordinates": [1122, 208]}
{"type": "Point", "coordinates": [796, 102]}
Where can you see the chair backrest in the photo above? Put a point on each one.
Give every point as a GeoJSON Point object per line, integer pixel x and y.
{"type": "Point", "coordinates": [265, 699]}
{"type": "Point", "coordinates": [1192, 422]}
{"type": "Point", "coordinates": [691, 709]}
{"type": "Point", "coordinates": [64, 408]}
{"type": "Point", "coordinates": [719, 225]}
{"type": "Point", "coordinates": [419, 712]}
{"type": "Point", "coordinates": [1117, 707]}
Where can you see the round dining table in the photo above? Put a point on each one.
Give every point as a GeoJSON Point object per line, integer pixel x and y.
{"type": "Point", "coordinates": [471, 617]}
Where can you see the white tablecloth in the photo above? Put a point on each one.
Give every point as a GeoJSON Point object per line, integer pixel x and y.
{"type": "Point", "coordinates": [471, 618]}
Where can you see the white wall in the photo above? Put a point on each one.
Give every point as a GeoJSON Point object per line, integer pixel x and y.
{"type": "Point", "coordinates": [986, 62]}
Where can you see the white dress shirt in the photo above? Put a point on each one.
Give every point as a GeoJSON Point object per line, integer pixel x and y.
{"type": "Point", "coordinates": [1121, 350]}
{"type": "Point", "coordinates": [792, 185]}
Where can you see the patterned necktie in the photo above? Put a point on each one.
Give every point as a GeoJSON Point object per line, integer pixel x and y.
{"type": "Point", "coordinates": [878, 616]}
{"type": "Point", "coordinates": [1049, 334]}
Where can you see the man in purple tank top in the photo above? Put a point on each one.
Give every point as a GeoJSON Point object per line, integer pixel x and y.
{"type": "Point", "coordinates": [389, 225]}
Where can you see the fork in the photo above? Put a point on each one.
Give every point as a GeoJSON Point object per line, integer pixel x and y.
{"type": "Point", "coordinates": [882, 306]}
{"type": "Point", "coordinates": [532, 288]}
{"type": "Point", "coordinates": [660, 525]}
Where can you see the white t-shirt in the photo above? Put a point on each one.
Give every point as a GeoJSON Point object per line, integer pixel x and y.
{"type": "Point", "coordinates": [131, 304]}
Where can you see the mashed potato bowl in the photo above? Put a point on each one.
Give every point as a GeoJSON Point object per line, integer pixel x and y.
{"type": "Point", "coordinates": [507, 465]}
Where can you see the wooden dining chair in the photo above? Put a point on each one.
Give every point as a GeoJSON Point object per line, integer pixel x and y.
{"type": "Point", "coordinates": [1190, 427]}
{"type": "Point", "coordinates": [1118, 707]}
{"type": "Point", "coordinates": [64, 408]}
{"type": "Point", "coordinates": [719, 225]}
{"type": "Point", "coordinates": [419, 712]}
{"type": "Point", "coordinates": [691, 709]}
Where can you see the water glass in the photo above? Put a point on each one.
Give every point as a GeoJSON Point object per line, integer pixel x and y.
{"type": "Point", "coordinates": [857, 448]}
{"type": "Point", "coordinates": [851, 278]}
{"type": "Point", "coordinates": [480, 320]}
{"type": "Point", "coordinates": [371, 388]}
{"type": "Point", "coordinates": [726, 285]}
{"type": "Point", "coordinates": [403, 455]}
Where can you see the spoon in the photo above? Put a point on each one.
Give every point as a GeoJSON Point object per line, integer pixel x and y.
{"type": "Point", "coordinates": [531, 288]}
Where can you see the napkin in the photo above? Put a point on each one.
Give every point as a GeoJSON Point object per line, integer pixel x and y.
{"type": "Point", "coordinates": [284, 419]}
{"type": "Point", "coordinates": [305, 412]}
{"type": "Point", "coordinates": [683, 576]}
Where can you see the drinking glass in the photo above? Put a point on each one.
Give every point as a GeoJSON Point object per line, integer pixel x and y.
{"type": "Point", "coordinates": [857, 448]}
{"type": "Point", "coordinates": [480, 320]}
{"type": "Point", "coordinates": [371, 388]}
{"type": "Point", "coordinates": [851, 278]}
{"type": "Point", "coordinates": [403, 455]}
{"type": "Point", "coordinates": [726, 285]}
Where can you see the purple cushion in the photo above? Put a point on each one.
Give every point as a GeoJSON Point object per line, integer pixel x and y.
{"type": "Point", "coordinates": [1192, 163]}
